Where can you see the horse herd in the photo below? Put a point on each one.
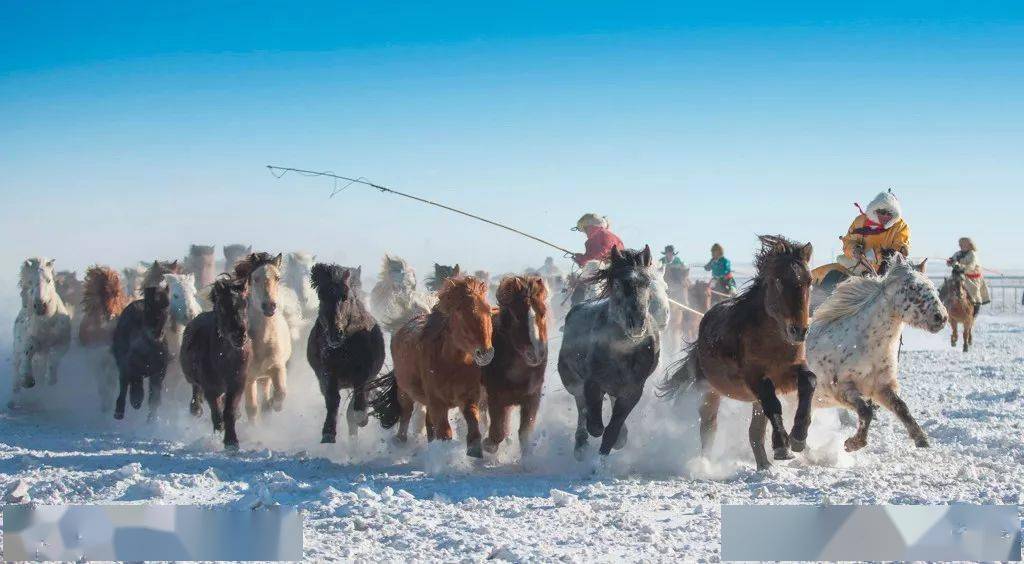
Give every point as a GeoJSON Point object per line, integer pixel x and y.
{"type": "Point", "coordinates": [231, 336]}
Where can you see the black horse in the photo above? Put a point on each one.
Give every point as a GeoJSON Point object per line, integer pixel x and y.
{"type": "Point", "coordinates": [140, 349]}
{"type": "Point", "coordinates": [215, 355]}
{"type": "Point", "coordinates": [346, 346]}
{"type": "Point", "coordinates": [611, 346]}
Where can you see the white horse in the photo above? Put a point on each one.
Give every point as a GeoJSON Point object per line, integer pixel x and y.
{"type": "Point", "coordinates": [394, 298]}
{"type": "Point", "coordinates": [184, 308]}
{"type": "Point", "coordinates": [42, 330]}
{"type": "Point", "coordinates": [270, 332]}
{"type": "Point", "coordinates": [853, 343]}
{"type": "Point", "coordinates": [297, 270]}
{"type": "Point", "coordinates": [132, 277]}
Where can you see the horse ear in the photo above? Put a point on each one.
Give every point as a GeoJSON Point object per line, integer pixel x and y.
{"type": "Point", "coordinates": [278, 259]}
{"type": "Point", "coordinates": [645, 256]}
{"type": "Point", "coordinates": [616, 254]}
{"type": "Point", "coordinates": [805, 252]}
{"type": "Point", "coordinates": [922, 265]}
{"type": "Point", "coordinates": [49, 263]}
{"type": "Point", "coordinates": [346, 274]}
{"type": "Point", "coordinates": [456, 271]}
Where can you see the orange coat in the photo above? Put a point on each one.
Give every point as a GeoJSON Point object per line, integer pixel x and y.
{"type": "Point", "coordinates": [896, 238]}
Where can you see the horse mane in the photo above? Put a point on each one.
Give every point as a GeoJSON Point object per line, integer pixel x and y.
{"type": "Point", "coordinates": [631, 261]}
{"type": "Point", "coordinates": [514, 287]}
{"type": "Point", "coordinates": [155, 273]}
{"type": "Point", "coordinates": [226, 284]}
{"type": "Point", "coordinates": [327, 275]}
{"type": "Point", "coordinates": [251, 262]}
{"type": "Point", "coordinates": [200, 250]}
{"type": "Point", "coordinates": [103, 293]}
{"type": "Point", "coordinates": [857, 292]}
{"type": "Point", "coordinates": [456, 293]}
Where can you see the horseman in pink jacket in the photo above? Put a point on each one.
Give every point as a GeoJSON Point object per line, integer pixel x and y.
{"type": "Point", "coordinates": [599, 239]}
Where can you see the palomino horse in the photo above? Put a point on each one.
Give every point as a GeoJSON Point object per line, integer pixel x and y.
{"type": "Point", "coordinates": [42, 330]}
{"type": "Point", "coordinates": [394, 299]}
{"type": "Point", "coordinates": [516, 375]}
{"type": "Point", "coordinates": [102, 302]}
{"type": "Point", "coordinates": [297, 274]}
{"type": "Point", "coordinates": [69, 288]}
{"type": "Point", "coordinates": [436, 281]}
{"type": "Point", "coordinates": [958, 303]}
{"type": "Point", "coordinates": [140, 349]}
{"type": "Point", "coordinates": [269, 331]}
{"type": "Point", "coordinates": [612, 344]}
{"type": "Point", "coordinates": [853, 343]}
{"type": "Point", "coordinates": [751, 348]}
{"type": "Point", "coordinates": [437, 364]}
{"type": "Point", "coordinates": [345, 348]}
{"type": "Point", "coordinates": [215, 354]}
{"type": "Point", "coordinates": [184, 308]}
{"type": "Point", "coordinates": [232, 254]}
{"type": "Point", "coordinates": [200, 263]}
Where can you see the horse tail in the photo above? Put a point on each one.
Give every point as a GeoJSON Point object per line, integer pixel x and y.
{"type": "Point", "coordinates": [384, 405]}
{"type": "Point", "coordinates": [684, 374]}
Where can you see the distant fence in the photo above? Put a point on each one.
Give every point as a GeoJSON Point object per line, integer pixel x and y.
{"type": "Point", "coordinates": [1006, 292]}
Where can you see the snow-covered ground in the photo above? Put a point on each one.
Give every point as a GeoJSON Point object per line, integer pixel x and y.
{"type": "Point", "coordinates": [654, 500]}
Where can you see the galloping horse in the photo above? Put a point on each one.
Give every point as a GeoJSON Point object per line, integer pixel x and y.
{"type": "Point", "coordinates": [215, 353]}
{"type": "Point", "coordinates": [516, 375]}
{"type": "Point", "coordinates": [698, 297]}
{"type": "Point", "coordinates": [103, 300]}
{"type": "Point", "coordinates": [853, 343]}
{"type": "Point", "coordinates": [612, 344]}
{"type": "Point", "coordinates": [345, 349]}
{"type": "Point", "coordinates": [155, 273]}
{"type": "Point", "coordinates": [200, 263]}
{"type": "Point", "coordinates": [677, 280]}
{"type": "Point", "coordinates": [437, 363]}
{"type": "Point", "coordinates": [140, 348]}
{"type": "Point", "coordinates": [297, 271]}
{"type": "Point", "coordinates": [42, 330]}
{"type": "Point", "coordinates": [269, 331]}
{"type": "Point", "coordinates": [394, 299]}
{"type": "Point", "coordinates": [132, 277]}
{"type": "Point", "coordinates": [233, 253]}
{"type": "Point", "coordinates": [751, 348]}
{"type": "Point", "coordinates": [69, 288]}
{"type": "Point", "coordinates": [183, 309]}
{"type": "Point", "coordinates": [959, 305]}
{"type": "Point", "coordinates": [435, 282]}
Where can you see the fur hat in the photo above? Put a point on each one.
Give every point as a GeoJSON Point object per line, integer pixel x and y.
{"type": "Point", "coordinates": [591, 220]}
{"type": "Point", "coordinates": [884, 201]}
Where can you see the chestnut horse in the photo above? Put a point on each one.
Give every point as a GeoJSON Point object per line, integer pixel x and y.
{"type": "Point", "coordinates": [437, 359]}
{"type": "Point", "coordinates": [751, 348]}
{"type": "Point", "coordinates": [516, 375]}
{"type": "Point", "coordinates": [958, 303]}
{"type": "Point", "coordinates": [103, 298]}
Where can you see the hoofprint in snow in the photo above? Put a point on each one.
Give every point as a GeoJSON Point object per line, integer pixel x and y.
{"type": "Point", "coordinates": [653, 500]}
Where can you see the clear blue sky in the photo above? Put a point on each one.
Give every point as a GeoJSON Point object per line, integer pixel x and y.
{"type": "Point", "coordinates": [131, 129]}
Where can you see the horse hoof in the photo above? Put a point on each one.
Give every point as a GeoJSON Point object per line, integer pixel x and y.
{"type": "Point", "coordinates": [854, 443]}
{"type": "Point", "coordinates": [595, 429]}
{"type": "Point", "coordinates": [231, 447]}
{"type": "Point", "coordinates": [29, 383]}
{"type": "Point", "coordinates": [783, 453]}
{"type": "Point", "coordinates": [620, 441]}
{"type": "Point", "coordinates": [797, 445]}
{"type": "Point", "coordinates": [490, 447]}
{"type": "Point", "coordinates": [327, 438]}
{"type": "Point", "coordinates": [922, 442]}
{"type": "Point", "coordinates": [579, 452]}
{"type": "Point", "coordinates": [475, 451]}
{"type": "Point", "coordinates": [119, 415]}
{"type": "Point", "coordinates": [764, 467]}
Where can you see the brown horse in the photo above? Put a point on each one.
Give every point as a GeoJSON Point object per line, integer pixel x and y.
{"type": "Point", "coordinates": [70, 289]}
{"type": "Point", "coordinates": [751, 348]}
{"type": "Point", "coordinates": [200, 262]}
{"type": "Point", "coordinates": [958, 303]}
{"type": "Point", "coordinates": [155, 274]}
{"type": "Point", "coordinates": [437, 359]}
{"type": "Point", "coordinates": [698, 297]}
{"type": "Point", "coordinates": [516, 375]}
{"type": "Point", "coordinates": [103, 298]}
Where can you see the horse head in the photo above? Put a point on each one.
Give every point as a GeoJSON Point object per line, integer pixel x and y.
{"type": "Point", "coordinates": [914, 296]}
{"type": "Point", "coordinates": [103, 295]}
{"type": "Point", "coordinates": [784, 274]}
{"type": "Point", "coordinates": [155, 310]}
{"type": "Point", "coordinates": [463, 303]}
{"type": "Point", "coordinates": [232, 253]}
{"type": "Point", "coordinates": [183, 295]}
{"type": "Point", "coordinates": [263, 271]}
{"type": "Point", "coordinates": [627, 283]}
{"type": "Point", "coordinates": [699, 296]}
{"type": "Point", "coordinates": [441, 274]}
{"type": "Point", "coordinates": [230, 297]}
{"type": "Point", "coordinates": [69, 287]}
{"type": "Point", "coordinates": [201, 263]}
{"type": "Point", "coordinates": [523, 307]}
{"type": "Point", "coordinates": [36, 281]}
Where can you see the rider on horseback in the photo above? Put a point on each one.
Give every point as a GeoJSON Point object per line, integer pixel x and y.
{"type": "Point", "coordinates": [875, 234]}
{"type": "Point", "coordinates": [721, 271]}
{"type": "Point", "coordinates": [599, 239]}
{"type": "Point", "coordinates": [967, 258]}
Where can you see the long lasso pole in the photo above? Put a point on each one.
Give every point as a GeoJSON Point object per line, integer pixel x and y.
{"type": "Point", "coordinates": [285, 170]}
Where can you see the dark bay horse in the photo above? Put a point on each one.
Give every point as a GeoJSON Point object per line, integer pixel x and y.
{"type": "Point", "coordinates": [437, 359]}
{"type": "Point", "coordinates": [140, 349]}
{"type": "Point", "coordinates": [215, 354]}
{"type": "Point", "coordinates": [516, 375]}
{"type": "Point", "coordinates": [442, 272]}
{"type": "Point", "coordinates": [346, 347]}
{"type": "Point", "coordinates": [610, 347]}
{"type": "Point", "coordinates": [751, 348]}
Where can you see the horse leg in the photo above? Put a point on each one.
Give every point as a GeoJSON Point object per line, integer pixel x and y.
{"type": "Point", "coordinates": [216, 414]}
{"type": "Point", "coordinates": [594, 397]}
{"type": "Point", "coordinates": [895, 404]}
{"type": "Point", "coordinates": [26, 376]}
{"type": "Point", "coordinates": [805, 384]}
{"type": "Point", "coordinates": [471, 412]}
{"type": "Point", "coordinates": [616, 424]}
{"type": "Point", "coordinates": [758, 425]}
{"type": "Point", "coordinates": [952, 336]}
{"type": "Point", "coordinates": [582, 436]}
{"type": "Point", "coordinates": [968, 333]}
{"type": "Point", "coordinates": [708, 411]}
{"type": "Point", "coordinates": [156, 390]}
{"type": "Point", "coordinates": [356, 415]}
{"type": "Point", "coordinates": [773, 410]}
{"type": "Point", "coordinates": [332, 398]}
{"type": "Point", "coordinates": [196, 405]}
{"type": "Point", "coordinates": [279, 377]}
{"type": "Point", "coordinates": [498, 428]}
{"type": "Point", "coordinates": [232, 397]}
{"type": "Point", "coordinates": [437, 421]}
{"type": "Point", "coordinates": [264, 392]}
{"type": "Point", "coordinates": [251, 392]}
{"type": "Point", "coordinates": [406, 407]}
{"type": "Point", "coordinates": [859, 440]}
{"type": "Point", "coordinates": [527, 420]}
{"type": "Point", "coordinates": [121, 395]}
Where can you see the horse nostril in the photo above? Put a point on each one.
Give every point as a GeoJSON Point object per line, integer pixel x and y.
{"type": "Point", "coordinates": [939, 318]}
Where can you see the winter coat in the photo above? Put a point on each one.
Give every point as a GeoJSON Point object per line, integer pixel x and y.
{"type": "Point", "coordinates": [867, 231]}
{"type": "Point", "coordinates": [977, 287]}
{"type": "Point", "coordinates": [599, 245]}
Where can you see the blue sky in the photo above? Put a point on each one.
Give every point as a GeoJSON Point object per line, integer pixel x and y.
{"type": "Point", "coordinates": [132, 129]}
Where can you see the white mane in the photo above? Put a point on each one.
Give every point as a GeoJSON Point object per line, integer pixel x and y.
{"type": "Point", "coordinates": [856, 293]}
